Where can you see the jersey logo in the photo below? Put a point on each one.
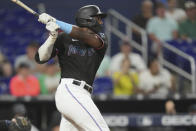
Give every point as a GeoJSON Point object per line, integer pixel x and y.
{"type": "Point", "coordinates": [77, 50]}
{"type": "Point", "coordinates": [102, 35]}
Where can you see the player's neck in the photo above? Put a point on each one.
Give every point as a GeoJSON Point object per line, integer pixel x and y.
{"type": "Point", "coordinates": [88, 30]}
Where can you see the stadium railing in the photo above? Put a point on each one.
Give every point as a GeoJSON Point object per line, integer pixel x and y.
{"type": "Point", "coordinates": [112, 24]}
{"type": "Point", "coordinates": [112, 27]}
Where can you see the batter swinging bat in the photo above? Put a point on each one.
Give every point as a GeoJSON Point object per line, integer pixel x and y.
{"type": "Point", "coordinates": [18, 2]}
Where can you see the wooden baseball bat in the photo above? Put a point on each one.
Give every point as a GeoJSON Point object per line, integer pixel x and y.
{"type": "Point", "coordinates": [21, 4]}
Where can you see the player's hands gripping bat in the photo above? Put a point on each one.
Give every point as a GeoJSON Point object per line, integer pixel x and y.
{"type": "Point", "coordinates": [20, 124]}
{"type": "Point", "coordinates": [52, 27]}
{"type": "Point", "coordinates": [45, 18]}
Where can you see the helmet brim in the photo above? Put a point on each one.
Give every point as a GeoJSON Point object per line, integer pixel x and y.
{"type": "Point", "coordinates": [102, 15]}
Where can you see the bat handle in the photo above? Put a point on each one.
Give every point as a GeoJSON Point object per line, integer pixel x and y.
{"type": "Point", "coordinates": [36, 14]}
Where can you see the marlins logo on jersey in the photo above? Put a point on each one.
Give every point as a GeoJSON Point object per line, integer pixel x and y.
{"type": "Point", "coordinates": [78, 50]}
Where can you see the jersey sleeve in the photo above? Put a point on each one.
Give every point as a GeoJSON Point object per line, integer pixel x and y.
{"type": "Point", "coordinates": [104, 40]}
{"type": "Point", "coordinates": [58, 46]}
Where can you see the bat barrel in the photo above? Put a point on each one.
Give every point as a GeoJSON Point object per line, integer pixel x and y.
{"type": "Point", "coordinates": [21, 4]}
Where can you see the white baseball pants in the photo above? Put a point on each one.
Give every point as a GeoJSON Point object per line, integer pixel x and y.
{"type": "Point", "coordinates": [79, 113]}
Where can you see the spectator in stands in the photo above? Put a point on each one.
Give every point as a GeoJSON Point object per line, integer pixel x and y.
{"type": "Point", "coordinates": [104, 67]}
{"type": "Point", "coordinates": [156, 80]}
{"type": "Point", "coordinates": [137, 63]}
{"type": "Point", "coordinates": [2, 57]}
{"type": "Point", "coordinates": [192, 112]}
{"type": "Point", "coordinates": [55, 121]}
{"type": "Point", "coordinates": [28, 58]}
{"type": "Point", "coordinates": [175, 13]}
{"type": "Point", "coordinates": [50, 79]}
{"type": "Point", "coordinates": [192, 109]}
{"type": "Point", "coordinates": [170, 108]}
{"type": "Point", "coordinates": [4, 86]}
{"type": "Point", "coordinates": [6, 72]}
{"type": "Point", "coordinates": [125, 81]}
{"type": "Point", "coordinates": [6, 69]}
{"type": "Point", "coordinates": [187, 29]}
{"type": "Point", "coordinates": [24, 83]}
{"type": "Point", "coordinates": [20, 110]}
{"type": "Point", "coordinates": [146, 13]}
{"type": "Point", "coordinates": [161, 28]}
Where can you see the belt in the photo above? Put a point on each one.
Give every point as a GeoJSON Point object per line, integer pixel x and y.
{"type": "Point", "coordinates": [86, 87]}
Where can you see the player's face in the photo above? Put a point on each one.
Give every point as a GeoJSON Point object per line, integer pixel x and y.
{"type": "Point", "coordinates": [99, 19]}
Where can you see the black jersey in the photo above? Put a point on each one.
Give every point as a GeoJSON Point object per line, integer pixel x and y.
{"type": "Point", "coordinates": [77, 60]}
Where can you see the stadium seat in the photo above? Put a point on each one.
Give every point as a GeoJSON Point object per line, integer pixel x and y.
{"type": "Point", "coordinates": [17, 29]}
{"type": "Point", "coordinates": [4, 86]}
{"type": "Point", "coordinates": [103, 85]}
{"type": "Point", "coordinates": [186, 47]}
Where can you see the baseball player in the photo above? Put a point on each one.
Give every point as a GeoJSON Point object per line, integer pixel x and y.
{"type": "Point", "coordinates": [80, 50]}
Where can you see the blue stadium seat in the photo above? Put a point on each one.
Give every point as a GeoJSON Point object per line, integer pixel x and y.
{"type": "Point", "coordinates": [4, 86]}
{"type": "Point", "coordinates": [2, 35]}
{"type": "Point", "coordinates": [103, 85]}
{"type": "Point", "coordinates": [3, 12]}
{"type": "Point", "coordinates": [17, 29]}
{"type": "Point", "coordinates": [186, 47]}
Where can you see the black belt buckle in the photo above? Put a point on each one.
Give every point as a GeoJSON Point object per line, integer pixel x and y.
{"type": "Point", "coordinates": [76, 82]}
{"type": "Point", "coordinates": [86, 87]}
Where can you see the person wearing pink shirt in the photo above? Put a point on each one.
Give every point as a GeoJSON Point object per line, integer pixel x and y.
{"type": "Point", "coordinates": [23, 83]}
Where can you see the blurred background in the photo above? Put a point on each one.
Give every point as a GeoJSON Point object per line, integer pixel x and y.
{"type": "Point", "coordinates": [146, 82]}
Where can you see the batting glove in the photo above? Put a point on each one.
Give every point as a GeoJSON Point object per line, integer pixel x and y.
{"type": "Point", "coordinates": [52, 27]}
{"type": "Point", "coordinates": [45, 18]}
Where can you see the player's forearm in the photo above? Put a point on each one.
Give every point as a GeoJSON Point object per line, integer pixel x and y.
{"type": "Point", "coordinates": [45, 50]}
{"type": "Point", "coordinates": [80, 34]}
{"type": "Point", "coordinates": [85, 36]}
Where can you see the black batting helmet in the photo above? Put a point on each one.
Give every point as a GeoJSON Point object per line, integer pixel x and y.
{"type": "Point", "coordinates": [85, 17]}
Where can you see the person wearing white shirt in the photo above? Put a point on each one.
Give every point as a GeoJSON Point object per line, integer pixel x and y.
{"type": "Point", "coordinates": [175, 13]}
{"type": "Point", "coordinates": [137, 63]}
{"type": "Point", "coordinates": [156, 80]}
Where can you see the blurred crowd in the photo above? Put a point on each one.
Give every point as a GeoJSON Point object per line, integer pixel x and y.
{"type": "Point", "coordinates": [26, 77]}
{"type": "Point", "coordinates": [165, 22]}
{"type": "Point", "coordinates": [126, 71]}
